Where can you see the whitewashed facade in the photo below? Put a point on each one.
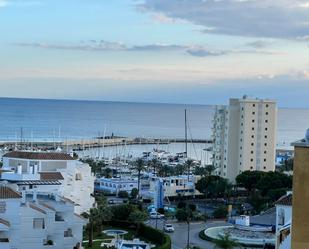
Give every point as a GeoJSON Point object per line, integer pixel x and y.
{"type": "Point", "coordinates": [174, 186]}
{"type": "Point", "coordinates": [244, 137]}
{"type": "Point", "coordinates": [51, 173]}
{"type": "Point", "coordinates": [38, 221]}
{"type": "Point", "coordinates": [283, 222]}
{"type": "Point", "coordinates": [114, 185]}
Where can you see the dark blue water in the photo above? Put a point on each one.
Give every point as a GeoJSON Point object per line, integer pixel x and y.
{"type": "Point", "coordinates": [66, 119]}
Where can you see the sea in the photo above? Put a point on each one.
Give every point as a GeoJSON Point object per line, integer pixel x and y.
{"type": "Point", "coordinates": [50, 120]}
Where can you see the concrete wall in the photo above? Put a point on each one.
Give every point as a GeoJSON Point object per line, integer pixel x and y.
{"type": "Point", "coordinates": [300, 218]}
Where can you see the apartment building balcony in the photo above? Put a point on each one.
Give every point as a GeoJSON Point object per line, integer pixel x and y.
{"type": "Point", "coordinates": [5, 243]}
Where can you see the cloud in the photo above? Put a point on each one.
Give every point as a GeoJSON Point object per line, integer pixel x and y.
{"type": "Point", "coordinates": [202, 52]}
{"type": "Point", "coordinates": [3, 3]}
{"type": "Point", "coordinates": [258, 44]}
{"type": "Point", "coordinates": [19, 3]}
{"type": "Point", "coordinates": [102, 45]}
{"type": "Point", "coordinates": [254, 18]}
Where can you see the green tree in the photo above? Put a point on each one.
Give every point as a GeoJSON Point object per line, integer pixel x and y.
{"type": "Point", "coordinates": [249, 179]}
{"type": "Point", "coordinates": [225, 242]}
{"type": "Point", "coordinates": [214, 186]}
{"type": "Point", "coordinates": [139, 167]}
{"type": "Point", "coordinates": [134, 193]}
{"type": "Point", "coordinates": [154, 164]}
{"type": "Point", "coordinates": [94, 218]}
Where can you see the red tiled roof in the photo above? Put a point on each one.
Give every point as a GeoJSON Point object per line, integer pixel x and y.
{"type": "Point", "coordinates": [37, 208]}
{"type": "Point", "coordinates": [39, 155]}
{"type": "Point", "coordinates": [5, 222]}
{"type": "Point", "coordinates": [46, 176]}
{"type": "Point", "coordinates": [285, 200]}
{"type": "Point", "coordinates": [8, 193]}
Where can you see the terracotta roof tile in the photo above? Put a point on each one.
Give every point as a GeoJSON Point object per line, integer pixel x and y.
{"type": "Point", "coordinates": [39, 155]}
{"type": "Point", "coordinates": [285, 200]}
{"type": "Point", "coordinates": [8, 193]}
{"type": "Point", "coordinates": [37, 208]}
{"type": "Point", "coordinates": [51, 176]}
{"type": "Point", "coordinates": [5, 222]}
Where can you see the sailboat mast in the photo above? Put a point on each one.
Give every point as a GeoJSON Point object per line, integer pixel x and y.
{"type": "Point", "coordinates": [186, 134]}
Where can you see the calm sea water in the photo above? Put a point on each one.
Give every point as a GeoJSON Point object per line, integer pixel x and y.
{"type": "Point", "coordinates": [65, 119]}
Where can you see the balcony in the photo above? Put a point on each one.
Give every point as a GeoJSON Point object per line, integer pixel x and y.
{"type": "Point", "coordinates": [4, 243]}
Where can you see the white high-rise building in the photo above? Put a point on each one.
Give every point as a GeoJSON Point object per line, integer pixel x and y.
{"type": "Point", "coordinates": [244, 137]}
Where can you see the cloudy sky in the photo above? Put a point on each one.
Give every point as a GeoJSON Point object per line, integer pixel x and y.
{"type": "Point", "coordinates": [177, 51]}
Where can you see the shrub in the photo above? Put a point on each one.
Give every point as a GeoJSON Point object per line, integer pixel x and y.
{"type": "Point", "coordinates": [181, 214]}
{"type": "Point", "coordinates": [220, 212]}
{"type": "Point", "coordinates": [123, 194]}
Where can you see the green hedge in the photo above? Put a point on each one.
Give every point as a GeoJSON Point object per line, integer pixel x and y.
{"type": "Point", "coordinates": [156, 236]}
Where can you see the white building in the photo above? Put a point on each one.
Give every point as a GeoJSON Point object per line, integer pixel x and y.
{"type": "Point", "coordinates": [175, 186]}
{"type": "Point", "coordinates": [51, 172]}
{"type": "Point", "coordinates": [114, 185]}
{"type": "Point", "coordinates": [283, 222]}
{"type": "Point", "coordinates": [244, 137]}
{"type": "Point", "coordinates": [38, 222]}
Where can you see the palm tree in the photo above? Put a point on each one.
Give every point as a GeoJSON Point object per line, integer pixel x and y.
{"type": "Point", "coordinates": [93, 217]}
{"type": "Point", "coordinates": [225, 242]}
{"type": "Point", "coordinates": [154, 163]}
{"type": "Point", "coordinates": [139, 166]}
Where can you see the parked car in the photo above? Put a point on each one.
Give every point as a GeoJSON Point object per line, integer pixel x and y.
{"type": "Point", "coordinates": [155, 215]}
{"type": "Point", "coordinates": [111, 202]}
{"type": "Point", "coordinates": [169, 228]}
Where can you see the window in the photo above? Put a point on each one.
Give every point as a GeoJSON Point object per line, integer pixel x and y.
{"type": "Point", "coordinates": [266, 128]}
{"type": "Point", "coordinates": [253, 128]}
{"type": "Point", "coordinates": [38, 223]}
{"type": "Point", "coordinates": [78, 177]}
{"type": "Point", "coordinates": [240, 147]}
{"type": "Point", "coordinates": [264, 159]}
{"type": "Point", "coordinates": [242, 124]}
{"type": "Point", "coordinates": [265, 144]}
{"type": "Point", "coordinates": [267, 105]}
{"type": "Point", "coordinates": [266, 121]}
{"type": "Point", "coordinates": [266, 113]}
{"type": "Point", "coordinates": [265, 152]}
{"type": "Point", "coordinates": [251, 167]}
{"type": "Point", "coordinates": [264, 167]}
{"type": "Point", "coordinates": [68, 233]}
{"type": "Point", "coordinates": [252, 144]}
{"type": "Point", "coordinates": [253, 113]}
{"type": "Point", "coordinates": [253, 120]}
{"type": "Point", "coordinates": [252, 152]}
{"type": "Point", "coordinates": [265, 136]}
{"type": "Point", "coordinates": [253, 105]}
{"type": "Point", "coordinates": [251, 159]}
{"type": "Point", "coordinates": [252, 136]}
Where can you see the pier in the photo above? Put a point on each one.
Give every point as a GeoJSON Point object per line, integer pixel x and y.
{"type": "Point", "coordinates": [84, 144]}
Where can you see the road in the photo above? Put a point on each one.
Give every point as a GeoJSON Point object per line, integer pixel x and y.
{"type": "Point", "coordinates": [180, 236]}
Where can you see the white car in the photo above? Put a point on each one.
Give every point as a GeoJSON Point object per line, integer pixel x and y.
{"type": "Point", "coordinates": [155, 215]}
{"type": "Point", "coordinates": [169, 228]}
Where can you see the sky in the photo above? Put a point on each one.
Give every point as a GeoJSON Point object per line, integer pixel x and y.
{"type": "Point", "coordinates": [171, 51]}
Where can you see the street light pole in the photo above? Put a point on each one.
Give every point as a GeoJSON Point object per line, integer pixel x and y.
{"type": "Point", "coordinates": [188, 238]}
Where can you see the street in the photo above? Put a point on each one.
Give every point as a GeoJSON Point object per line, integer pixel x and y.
{"type": "Point", "coordinates": [180, 236]}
